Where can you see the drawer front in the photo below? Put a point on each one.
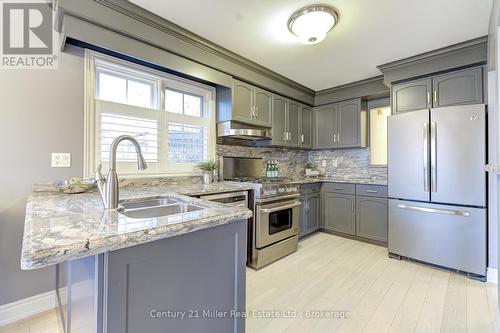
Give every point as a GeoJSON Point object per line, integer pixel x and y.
{"type": "Point", "coordinates": [339, 188]}
{"type": "Point", "coordinates": [372, 190]}
{"type": "Point", "coordinates": [309, 188]}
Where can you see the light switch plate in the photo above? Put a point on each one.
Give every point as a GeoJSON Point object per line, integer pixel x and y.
{"type": "Point", "coordinates": [61, 160]}
{"type": "Point", "coordinates": [335, 162]}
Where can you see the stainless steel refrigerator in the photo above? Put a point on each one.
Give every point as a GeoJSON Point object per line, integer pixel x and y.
{"type": "Point", "coordinates": [437, 187]}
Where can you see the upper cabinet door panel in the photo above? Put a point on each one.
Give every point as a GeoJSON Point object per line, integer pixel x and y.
{"type": "Point", "coordinates": [349, 131]}
{"type": "Point", "coordinates": [293, 124]}
{"type": "Point", "coordinates": [279, 121]}
{"type": "Point", "coordinates": [411, 96]}
{"type": "Point", "coordinates": [242, 101]}
{"type": "Point", "coordinates": [326, 126]}
{"type": "Point", "coordinates": [307, 127]}
{"type": "Point", "coordinates": [263, 105]}
{"type": "Point", "coordinates": [458, 88]}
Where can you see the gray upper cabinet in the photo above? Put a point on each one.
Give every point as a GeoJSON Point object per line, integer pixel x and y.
{"type": "Point", "coordinates": [279, 117]}
{"type": "Point", "coordinates": [242, 101]}
{"type": "Point", "coordinates": [371, 218]}
{"type": "Point", "coordinates": [263, 107]}
{"type": "Point", "coordinates": [293, 124]}
{"type": "Point", "coordinates": [339, 212]}
{"type": "Point", "coordinates": [349, 124]}
{"type": "Point", "coordinates": [458, 88]}
{"type": "Point", "coordinates": [325, 126]}
{"type": "Point", "coordinates": [251, 104]}
{"type": "Point", "coordinates": [289, 125]}
{"type": "Point", "coordinates": [455, 88]}
{"type": "Point", "coordinates": [411, 96]}
{"type": "Point", "coordinates": [306, 121]}
{"type": "Point", "coordinates": [341, 125]}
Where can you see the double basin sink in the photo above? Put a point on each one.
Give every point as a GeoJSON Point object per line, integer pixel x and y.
{"type": "Point", "coordinates": [155, 207]}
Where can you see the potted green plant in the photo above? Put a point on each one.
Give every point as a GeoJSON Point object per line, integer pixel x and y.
{"type": "Point", "coordinates": [309, 167]}
{"type": "Point", "coordinates": [208, 168]}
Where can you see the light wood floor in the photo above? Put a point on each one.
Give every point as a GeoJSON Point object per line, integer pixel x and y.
{"type": "Point", "coordinates": [331, 273]}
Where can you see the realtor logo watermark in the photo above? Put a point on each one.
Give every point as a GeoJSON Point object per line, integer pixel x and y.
{"type": "Point", "coordinates": [28, 36]}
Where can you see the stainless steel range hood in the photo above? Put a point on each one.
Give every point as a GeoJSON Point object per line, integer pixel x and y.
{"type": "Point", "coordinates": [235, 131]}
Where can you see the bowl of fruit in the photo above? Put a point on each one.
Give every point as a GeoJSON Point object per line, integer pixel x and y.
{"type": "Point", "coordinates": [75, 185]}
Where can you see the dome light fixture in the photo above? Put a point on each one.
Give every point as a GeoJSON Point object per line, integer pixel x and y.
{"type": "Point", "coordinates": [311, 23]}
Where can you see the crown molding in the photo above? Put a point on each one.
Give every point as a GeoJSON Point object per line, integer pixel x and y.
{"type": "Point", "coordinates": [468, 53]}
{"type": "Point", "coordinates": [373, 87]}
{"type": "Point", "coordinates": [140, 14]}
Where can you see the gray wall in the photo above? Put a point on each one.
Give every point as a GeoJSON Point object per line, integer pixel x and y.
{"type": "Point", "coordinates": [42, 112]}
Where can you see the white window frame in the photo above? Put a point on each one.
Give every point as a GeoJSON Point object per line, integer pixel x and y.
{"type": "Point", "coordinates": [163, 81]}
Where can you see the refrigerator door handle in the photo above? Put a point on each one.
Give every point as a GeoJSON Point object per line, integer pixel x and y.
{"type": "Point", "coordinates": [426, 156]}
{"type": "Point", "coordinates": [433, 157]}
{"type": "Point", "coordinates": [434, 210]}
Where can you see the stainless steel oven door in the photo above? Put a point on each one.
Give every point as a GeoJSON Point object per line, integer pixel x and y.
{"type": "Point", "coordinates": [276, 221]}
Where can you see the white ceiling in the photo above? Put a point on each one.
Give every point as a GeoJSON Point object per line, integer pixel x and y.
{"type": "Point", "coordinates": [369, 32]}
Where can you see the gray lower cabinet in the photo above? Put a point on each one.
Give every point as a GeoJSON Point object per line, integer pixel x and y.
{"type": "Point", "coordinates": [193, 275]}
{"type": "Point", "coordinates": [339, 212]}
{"type": "Point", "coordinates": [309, 213]}
{"type": "Point", "coordinates": [371, 218]}
{"type": "Point", "coordinates": [411, 96]}
{"type": "Point", "coordinates": [458, 88]}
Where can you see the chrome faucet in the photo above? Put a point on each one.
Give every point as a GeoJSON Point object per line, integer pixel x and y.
{"type": "Point", "coordinates": [109, 187]}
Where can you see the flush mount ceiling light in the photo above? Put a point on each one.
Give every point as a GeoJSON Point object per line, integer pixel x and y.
{"type": "Point", "coordinates": [310, 24]}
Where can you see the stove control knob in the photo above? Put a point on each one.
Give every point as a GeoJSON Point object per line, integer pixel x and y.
{"type": "Point", "coordinates": [281, 190]}
{"type": "Point", "coordinates": [266, 192]}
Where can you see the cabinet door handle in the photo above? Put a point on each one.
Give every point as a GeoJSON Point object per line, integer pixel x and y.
{"type": "Point", "coordinates": [302, 138]}
{"type": "Point", "coordinates": [289, 136]}
{"type": "Point", "coordinates": [371, 191]}
{"type": "Point", "coordinates": [334, 138]}
{"type": "Point", "coordinates": [428, 97]}
{"type": "Point", "coordinates": [352, 206]}
{"type": "Point", "coordinates": [338, 137]}
{"type": "Point", "coordinates": [256, 112]}
{"type": "Point", "coordinates": [435, 96]}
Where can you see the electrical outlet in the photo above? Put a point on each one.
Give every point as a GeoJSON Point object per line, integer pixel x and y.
{"type": "Point", "coordinates": [61, 160]}
{"type": "Point", "coordinates": [323, 163]}
{"type": "Point", "coordinates": [335, 162]}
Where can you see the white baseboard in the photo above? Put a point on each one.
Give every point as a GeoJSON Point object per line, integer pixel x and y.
{"type": "Point", "coordinates": [492, 275]}
{"type": "Point", "coordinates": [27, 307]}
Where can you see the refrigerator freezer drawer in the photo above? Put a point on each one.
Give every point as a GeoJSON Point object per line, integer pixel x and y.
{"type": "Point", "coordinates": [448, 236]}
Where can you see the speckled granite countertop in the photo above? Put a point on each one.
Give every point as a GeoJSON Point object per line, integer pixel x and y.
{"type": "Point", "coordinates": [367, 181]}
{"type": "Point", "coordinates": [60, 227]}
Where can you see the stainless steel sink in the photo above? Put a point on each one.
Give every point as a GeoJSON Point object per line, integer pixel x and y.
{"type": "Point", "coordinates": [156, 207]}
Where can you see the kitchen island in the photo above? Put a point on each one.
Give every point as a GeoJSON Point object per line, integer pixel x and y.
{"type": "Point", "coordinates": [115, 273]}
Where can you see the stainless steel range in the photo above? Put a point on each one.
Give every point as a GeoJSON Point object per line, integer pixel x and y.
{"type": "Point", "coordinates": [273, 231]}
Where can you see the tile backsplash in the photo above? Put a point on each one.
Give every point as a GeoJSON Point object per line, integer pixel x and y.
{"type": "Point", "coordinates": [353, 163]}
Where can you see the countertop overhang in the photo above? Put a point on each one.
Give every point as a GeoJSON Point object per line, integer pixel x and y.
{"type": "Point", "coordinates": [61, 227]}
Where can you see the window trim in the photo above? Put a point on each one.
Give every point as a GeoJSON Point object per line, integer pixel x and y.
{"type": "Point", "coordinates": [93, 59]}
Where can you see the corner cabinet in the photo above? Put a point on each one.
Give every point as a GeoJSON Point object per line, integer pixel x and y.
{"type": "Point", "coordinates": [291, 123]}
{"type": "Point", "coordinates": [341, 125]}
{"type": "Point", "coordinates": [454, 88]}
{"type": "Point", "coordinates": [355, 210]}
{"type": "Point", "coordinates": [251, 105]}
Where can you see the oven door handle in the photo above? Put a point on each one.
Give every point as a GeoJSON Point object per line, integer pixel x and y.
{"type": "Point", "coordinates": [270, 210]}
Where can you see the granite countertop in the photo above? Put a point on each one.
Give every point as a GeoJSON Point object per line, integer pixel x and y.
{"type": "Point", "coordinates": [60, 227]}
{"type": "Point", "coordinates": [323, 179]}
